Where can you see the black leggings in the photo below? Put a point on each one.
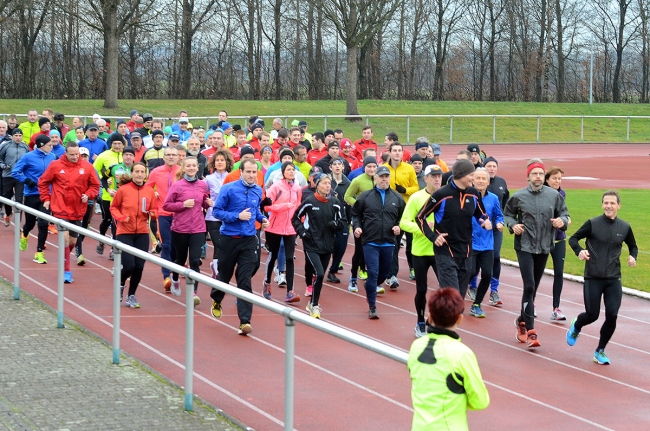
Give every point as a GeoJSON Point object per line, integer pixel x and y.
{"type": "Point", "coordinates": [84, 224]}
{"type": "Point", "coordinates": [107, 219]}
{"type": "Point", "coordinates": [483, 261]}
{"type": "Point", "coordinates": [12, 188]}
{"type": "Point", "coordinates": [215, 234]}
{"type": "Point", "coordinates": [558, 254]}
{"type": "Point", "coordinates": [319, 263]}
{"type": "Point", "coordinates": [421, 265]}
{"type": "Point", "coordinates": [30, 221]}
{"type": "Point", "coordinates": [273, 243]}
{"type": "Point", "coordinates": [132, 266]}
{"type": "Point", "coordinates": [358, 261]}
{"type": "Point", "coordinates": [531, 267]}
{"type": "Point", "coordinates": [185, 243]}
{"type": "Point", "coordinates": [611, 291]}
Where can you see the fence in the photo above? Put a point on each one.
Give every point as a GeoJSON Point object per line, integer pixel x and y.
{"type": "Point", "coordinates": [291, 315]}
{"type": "Point", "coordinates": [486, 129]}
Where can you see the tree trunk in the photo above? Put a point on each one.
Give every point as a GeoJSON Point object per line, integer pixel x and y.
{"type": "Point", "coordinates": [351, 77]}
{"type": "Point", "coordinates": [277, 20]}
{"type": "Point", "coordinates": [186, 50]}
{"type": "Point", "coordinates": [560, 52]}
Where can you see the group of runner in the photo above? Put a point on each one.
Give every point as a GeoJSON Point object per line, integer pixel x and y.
{"type": "Point", "coordinates": [171, 189]}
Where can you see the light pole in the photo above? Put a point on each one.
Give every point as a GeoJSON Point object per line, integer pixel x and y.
{"type": "Point", "coordinates": [591, 73]}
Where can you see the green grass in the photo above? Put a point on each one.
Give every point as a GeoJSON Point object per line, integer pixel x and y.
{"type": "Point", "coordinates": [436, 129]}
{"type": "Point", "coordinates": [585, 204]}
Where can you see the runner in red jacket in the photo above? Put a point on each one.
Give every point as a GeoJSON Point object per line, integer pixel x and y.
{"type": "Point", "coordinates": [363, 143]}
{"type": "Point", "coordinates": [73, 182]}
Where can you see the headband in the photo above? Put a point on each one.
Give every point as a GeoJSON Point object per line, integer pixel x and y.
{"type": "Point", "coordinates": [533, 166]}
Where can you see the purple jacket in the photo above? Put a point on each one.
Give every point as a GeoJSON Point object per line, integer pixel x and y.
{"type": "Point", "coordinates": [187, 220]}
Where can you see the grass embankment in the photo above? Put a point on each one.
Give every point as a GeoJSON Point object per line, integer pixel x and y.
{"type": "Point", "coordinates": [509, 130]}
{"type": "Point", "coordinates": [585, 204]}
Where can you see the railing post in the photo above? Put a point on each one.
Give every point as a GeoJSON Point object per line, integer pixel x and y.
{"type": "Point", "coordinates": [627, 138]}
{"type": "Point", "coordinates": [289, 350]}
{"type": "Point", "coordinates": [451, 129]}
{"type": "Point", "coordinates": [494, 129]}
{"type": "Point", "coordinates": [582, 129]}
{"type": "Point", "coordinates": [325, 122]}
{"type": "Point", "coordinates": [117, 283]}
{"type": "Point", "coordinates": [61, 269]}
{"type": "Point", "coordinates": [538, 121]}
{"type": "Point", "coordinates": [367, 120]}
{"type": "Point", "coordinates": [408, 129]}
{"type": "Point", "coordinates": [17, 234]}
{"type": "Point", "coordinates": [189, 340]}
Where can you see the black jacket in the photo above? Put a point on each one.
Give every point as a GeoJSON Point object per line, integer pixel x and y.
{"type": "Point", "coordinates": [317, 221]}
{"type": "Point", "coordinates": [377, 218]}
{"type": "Point", "coordinates": [499, 187]}
{"type": "Point", "coordinates": [326, 161]}
{"type": "Point", "coordinates": [453, 209]}
{"type": "Point", "coordinates": [605, 238]}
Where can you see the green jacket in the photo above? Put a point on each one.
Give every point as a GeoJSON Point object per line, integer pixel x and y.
{"type": "Point", "coordinates": [28, 130]}
{"type": "Point", "coordinates": [421, 244]}
{"type": "Point", "coordinates": [358, 185]}
{"type": "Point", "coordinates": [440, 398]}
{"type": "Point", "coordinates": [104, 164]}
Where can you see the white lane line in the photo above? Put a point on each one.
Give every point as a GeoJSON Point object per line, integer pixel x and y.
{"type": "Point", "coordinates": [533, 400]}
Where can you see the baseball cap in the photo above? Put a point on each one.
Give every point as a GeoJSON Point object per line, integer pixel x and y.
{"type": "Point", "coordinates": [382, 170]}
{"type": "Point", "coordinates": [225, 125]}
{"type": "Point", "coordinates": [436, 149]}
{"type": "Point", "coordinates": [433, 170]}
{"type": "Point", "coordinates": [183, 120]}
{"type": "Point", "coordinates": [136, 135]}
{"type": "Point", "coordinates": [473, 148]}
{"type": "Point", "coordinates": [174, 137]}
{"type": "Point", "coordinates": [84, 150]}
{"type": "Point", "coordinates": [92, 126]}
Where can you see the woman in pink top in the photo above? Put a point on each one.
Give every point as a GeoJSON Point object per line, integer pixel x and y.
{"type": "Point", "coordinates": [285, 196]}
{"type": "Point", "coordinates": [186, 199]}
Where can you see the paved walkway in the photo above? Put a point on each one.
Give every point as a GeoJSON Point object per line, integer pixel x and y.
{"type": "Point", "coordinates": [63, 379]}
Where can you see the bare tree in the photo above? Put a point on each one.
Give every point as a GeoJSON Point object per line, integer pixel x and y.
{"type": "Point", "coordinates": [357, 22]}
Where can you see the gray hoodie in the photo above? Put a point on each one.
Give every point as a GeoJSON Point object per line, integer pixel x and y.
{"type": "Point", "coordinates": [10, 152]}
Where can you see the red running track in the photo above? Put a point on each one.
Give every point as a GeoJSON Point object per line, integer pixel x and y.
{"type": "Point", "coordinates": [342, 387]}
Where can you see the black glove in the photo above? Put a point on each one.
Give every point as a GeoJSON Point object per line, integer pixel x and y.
{"type": "Point", "coordinates": [332, 224]}
{"type": "Point", "coordinates": [264, 203]}
{"type": "Point", "coordinates": [31, 183]}
{"type": "Point", "coordinates": [400, 189]}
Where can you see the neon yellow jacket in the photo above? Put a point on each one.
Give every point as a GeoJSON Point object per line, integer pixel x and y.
{"type": "Point", "coordinates": [440, 398]}
{"type": "Point", "coordinates": [404, 175]}
{"type": "Point", "coordinates": [421, 244]}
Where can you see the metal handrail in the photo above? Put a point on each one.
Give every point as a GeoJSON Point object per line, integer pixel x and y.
{"type": "Point", "coordinates": [408, 117]}
{"type": "Point", "coordinates": [291, 315]}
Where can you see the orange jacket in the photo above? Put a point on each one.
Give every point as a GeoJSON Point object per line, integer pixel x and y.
{"type": "Point", "coordinates": [127, 206]}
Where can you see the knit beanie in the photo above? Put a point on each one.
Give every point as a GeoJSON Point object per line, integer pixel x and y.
{"type": "Point", "coordinates": [369, 159]}
{"type": "Point", "coordinates": [462, 168]}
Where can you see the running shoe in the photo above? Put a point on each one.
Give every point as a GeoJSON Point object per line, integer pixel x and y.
{"type": "Point", "coordinates": [214, 270]}
{"type": "Point", "coordinates": [265, 248]}
{"type": "Point", "coordinates": [532, 339]}
{"type": "Point", "coordinates": [420, 329]}
{"type": "Point", "coordinates": [7, 221]}
{"type": "Point", "coordinates": [23, 242]}
{"type": "Point", "coordinates": [372, 313]}
{"type": "Point", "coordinates": [557, 315]}
{"type": "Point", "coordinates": [100, 248]}
{"type": "Point", "coordinates": [197, 300]}
{"type": "Point", "coordinates": [245, 329]}
{"type": "Point", "coordinates": [98, 209]}
{"type": "Point", "coordinates": [67, 277]}
{"type": "Point", "coordinates": [411, 274]}
{"type": "Point", "coordinates": [176, 287]}
{"type": "Point", "coordinates": [266, 290]}
{"type": "Point", "coordinates": [340, 268]}
{"type": "Point", "coordinates": [572, 334]}
{"type": "Point", "coordinates": [363, 275]}
{"type": "Point", "coordinates": [600, 357]}
{"type": "Point", "coordinates": [204, 251]}
{"type": "Point", "coordinates": [522, 334]}
{"type": "Point", "coordinates": [121, 293]}
{"type": "Point", "coordinates": [291, 297]}
{"type": "Point", "coordinates": [471, 294]}
{"type": "Point", "coordinates": [494, 298]}
{"type": "Point", "coordinates": [132, 302]}
{"type": "Point", "coordinates": [309, 290]}
{"type": "Point", "coordinates": [534, 310]}
{"type": "Point", "coordinates": [110, 254]}
{"type": "Point", "coordinates": [314, 311]}
{"type": "Point", "coordinates": [282, 280]}
{"type": "Point", "coordinates": [80, 260]}
{"type": "Point", "coordinates": [394, 284]}
{"type": "Point", "coordinates": [476, 311]}
{"type": "Point", "coordinates": [51, 229]}
{"type": "Point", "coordinates": [167, 284]}
{"type": "Point", "coordinates": [352, 287]}
{"type": "Point", "coordinates": [39, 258]}
{"type": "Point", "coordinates": [332, 278]}
{"type": "Point", "coordinates": [216, 309]}
{"type": "Point", "coordinates": [276, 277]}
{"type": "Point", "coordinates": [380, 290]}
